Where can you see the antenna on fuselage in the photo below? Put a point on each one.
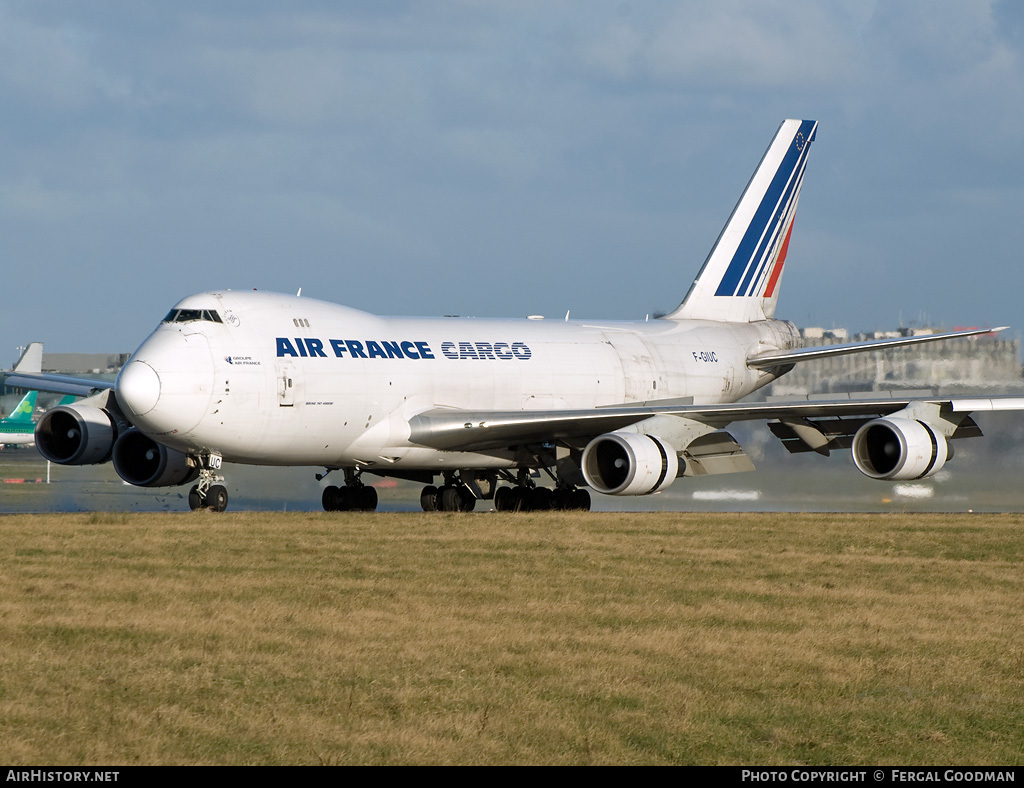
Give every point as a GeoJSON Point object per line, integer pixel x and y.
{"type": "Point", "coordinates": [299, 293]}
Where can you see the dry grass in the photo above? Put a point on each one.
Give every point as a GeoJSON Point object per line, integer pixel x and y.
{"type": "Point", "coordinates": [542, 639]}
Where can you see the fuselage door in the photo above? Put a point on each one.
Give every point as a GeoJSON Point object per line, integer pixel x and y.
{"type": "Point", "coordinates": [286, 386]}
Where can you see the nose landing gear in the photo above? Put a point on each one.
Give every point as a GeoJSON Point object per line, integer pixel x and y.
{"type": "Point", "coordinates": [209, 493]}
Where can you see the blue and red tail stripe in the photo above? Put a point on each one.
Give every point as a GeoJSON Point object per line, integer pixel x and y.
{"type": "Point", "coordinates": [757, 262]}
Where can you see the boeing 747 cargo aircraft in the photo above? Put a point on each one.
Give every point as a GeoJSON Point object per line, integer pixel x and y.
{"type": "Point", "coordinates": [475, 408]}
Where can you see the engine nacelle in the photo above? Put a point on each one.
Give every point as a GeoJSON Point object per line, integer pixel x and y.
{"type": "Point", "coordinates": [76, 435]}
{"type": "Point", "coordinates": [629, 463]}
{"type": "Point", "coordinates": [899, 448]}
{"type": "Point", "coordinates": [140, 460]}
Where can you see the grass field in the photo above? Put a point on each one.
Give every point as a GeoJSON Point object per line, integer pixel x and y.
{"type": "Point", "coordinates": [606, 638]}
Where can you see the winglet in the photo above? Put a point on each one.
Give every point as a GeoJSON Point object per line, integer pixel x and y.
{"type": "Point", "coordinates": [739, 281]}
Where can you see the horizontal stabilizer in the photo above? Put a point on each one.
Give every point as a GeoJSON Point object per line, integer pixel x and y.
{"type": "Point", "coordinates": [782, 358]}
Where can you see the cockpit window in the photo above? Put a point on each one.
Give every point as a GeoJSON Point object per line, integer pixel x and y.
{"type": "Point", "coordinates": [188, 315]}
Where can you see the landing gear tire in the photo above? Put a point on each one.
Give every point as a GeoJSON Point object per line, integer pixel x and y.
{"type": "Point", "coordinates": [330, 498]}
{"type": "Point", "coordinates": [430, 500]}
{"type": "Point", "coordinates": [451, 501]}
{"type": "Point", "coordinates": [504, 499]}
{"type": "Point", "coordinates": [366, 498]}
{"type": "Point", "coordinates": [455, 499]}
{"type": "Point", "coordinates": [217, 498]}
{"type": "Point", "coordinates": [520, 499]}
{"type": "Point", "coordinates": [580, 500]}
{"type": "Point", "coordinates": [540, 499]}
{"type": "Point", "coordinates": [362, 498]}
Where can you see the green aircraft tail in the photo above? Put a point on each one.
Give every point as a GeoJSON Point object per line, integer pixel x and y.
{"type": "Point", "coordinates": [23, 413]}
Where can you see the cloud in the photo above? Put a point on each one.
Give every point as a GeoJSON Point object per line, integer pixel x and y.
{"type": "Point", "coordinates": [51, 66]}
{"type": "Point", "coordinates": [509, 142]}
{"type": "Point", "coordinates": [729, 44]}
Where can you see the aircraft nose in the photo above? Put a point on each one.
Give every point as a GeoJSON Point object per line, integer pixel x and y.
{"type": "Point", "coordinates": [166, 386]}
{"type": "Point", "coordinates": [138, 388]}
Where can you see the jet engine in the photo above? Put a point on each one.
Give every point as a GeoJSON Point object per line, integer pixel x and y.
{"type": "Point", "coordinates": [140, 460]}
{"type": "Point", "coordinates": [899, 448]}
{"type": "Point", "coordinates": [629, 463]}
{"type": "Point", "coordinates": [76, 434]}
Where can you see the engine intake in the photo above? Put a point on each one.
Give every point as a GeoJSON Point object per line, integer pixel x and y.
{"type": "Point", "coordinates": [899, 448]}
{"type": "Point", "coordinates": [76, 435]}
{"type": "Point", "coordinates": [629, 463]}
{"type": "Point", "coordinates": [140, 460]}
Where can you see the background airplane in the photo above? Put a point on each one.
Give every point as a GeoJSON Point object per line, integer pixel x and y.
{"type": "Point", "coordinates": [618, 407]}
{"type": "Point", "coordinates": [18, 429]}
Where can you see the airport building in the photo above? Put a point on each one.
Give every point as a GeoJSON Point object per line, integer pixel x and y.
{"type": "Point", "coordinates": [89, 364]}
{"type": "Point", "coordinates": [989, 364]}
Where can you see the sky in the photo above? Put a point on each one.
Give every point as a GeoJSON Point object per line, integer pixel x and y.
{"type": "Point", "coordinates": [500, 158]}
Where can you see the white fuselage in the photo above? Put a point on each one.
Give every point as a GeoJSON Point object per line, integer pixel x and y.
{"type": "Point", "coordinates": [17, 438]}
{"type": "Point", "coordinates": [283, 380]}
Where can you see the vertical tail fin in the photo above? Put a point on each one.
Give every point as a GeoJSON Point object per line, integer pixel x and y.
{"type": "Point", "coordinates": [31, 359]}
{"type": "Point", "coordinates": [23, 413]}
{"type": "Point", "coordinates": [739, 281]}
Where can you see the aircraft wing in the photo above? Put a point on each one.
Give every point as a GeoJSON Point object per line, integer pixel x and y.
{"type": "Point", "coordinates": [810, 421]}
{"type": "Point", "coordinates": [58, 384]}
{"type": "Point", "coordinates": [27, 374]}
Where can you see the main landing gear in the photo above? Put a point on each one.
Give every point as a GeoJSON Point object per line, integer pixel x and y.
{"type": "Point", "coordinates": [353, 496]}
{"type": "Point", "coordinates": [456, 495]}
{"type": "Point", "coordinates": [541, 499]}
{"type": "Point", "coordinates": [453, 496]}
{"type": "Point", "coordinates": [526, 496]}
{"type": "Point", "coordinates": [209, 493]}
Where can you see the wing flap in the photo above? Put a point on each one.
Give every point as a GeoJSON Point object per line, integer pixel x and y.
{"type": "Point", "coordinates": [837, 433]}
{"type": "Point", "coordinates": [715, 453]}
{"type": "Point", "coordinates": [479, 430]}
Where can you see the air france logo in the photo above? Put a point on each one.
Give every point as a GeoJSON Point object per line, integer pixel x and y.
{"type": "Point", "coordinates": [308, 347]}
{"type": "Point", "coordinates": [242, 361]}
{"type": "Point", "coordinates": [352, 348]}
